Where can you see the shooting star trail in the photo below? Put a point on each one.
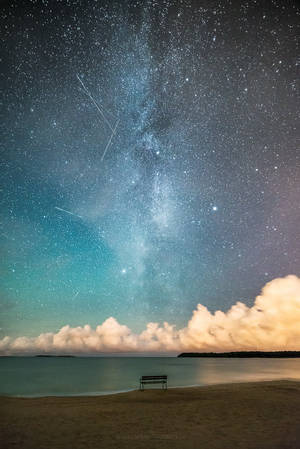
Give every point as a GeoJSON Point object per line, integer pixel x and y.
{"type": "Point", "coordinates": [75, 296]}
{"type": "Point", "coordinates": [67, 211]}
{"type": "Point", "coordinates": [110, 139]}
{"type": "Point", "coordinates": [8, 238]}
{"type": "Point", "coordinates": [94, 102]}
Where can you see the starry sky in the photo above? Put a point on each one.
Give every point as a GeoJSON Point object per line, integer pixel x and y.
{"type": "Point", "coordinates": [149, 158]}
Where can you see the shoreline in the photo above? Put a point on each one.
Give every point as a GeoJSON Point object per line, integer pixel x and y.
{"type": "Point", "coordinates": [117, 392]}
{"type": "Point", "coordinates": [247, 415]}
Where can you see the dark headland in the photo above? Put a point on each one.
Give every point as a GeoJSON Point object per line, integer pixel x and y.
{"type": "Point", "coordinates": [243, 354]}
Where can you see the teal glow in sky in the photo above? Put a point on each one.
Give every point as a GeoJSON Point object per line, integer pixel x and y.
{"type": "Point", "coordinates": [149, 159]}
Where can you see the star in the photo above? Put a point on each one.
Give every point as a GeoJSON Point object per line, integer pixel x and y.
{"type": "Point", "coordinates": [118, 154]}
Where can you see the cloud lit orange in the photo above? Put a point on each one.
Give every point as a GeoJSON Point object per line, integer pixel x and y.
{"type": "Point", "coordinates": [272, 323]}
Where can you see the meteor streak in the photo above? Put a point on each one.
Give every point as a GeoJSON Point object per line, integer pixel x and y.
{"type": "Point", "coordinates": [75, 296]}
{"type": "Point", "coordinates": [67, 211]}
{"type": "Point", "coordinates": [94, 102]}
{"type": "Point", "coordinates": [110, 139]}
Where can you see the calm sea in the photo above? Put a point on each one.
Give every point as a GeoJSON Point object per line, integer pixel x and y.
{"type": "Point", "coordinates": [31, 376]}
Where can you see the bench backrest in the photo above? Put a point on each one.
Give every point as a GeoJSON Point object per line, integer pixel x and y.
{"type": "Point", "coordinates": [164, 377]}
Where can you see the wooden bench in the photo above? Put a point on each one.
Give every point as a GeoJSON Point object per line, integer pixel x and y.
{"type": "Point", "coordinates": [154, 380]}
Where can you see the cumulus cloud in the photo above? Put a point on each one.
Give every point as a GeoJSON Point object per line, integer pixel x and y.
{"type": "Point", "coordinates": [272, 323]}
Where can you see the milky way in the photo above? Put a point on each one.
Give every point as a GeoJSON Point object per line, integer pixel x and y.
{"type": "Point", "coordinates": [149, 158]}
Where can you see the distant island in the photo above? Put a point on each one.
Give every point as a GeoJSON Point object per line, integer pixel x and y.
{"type": "Point", "coordinates": [49, 355]}
{"type": "Point", "coordinates": [243, 354]}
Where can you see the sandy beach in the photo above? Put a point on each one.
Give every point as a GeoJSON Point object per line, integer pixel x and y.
{"type": "Point", "coordinates": [250, 415]}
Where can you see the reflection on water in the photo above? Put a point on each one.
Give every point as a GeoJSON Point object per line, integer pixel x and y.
{"type": "Point", "coordinates": [66, 376]}
{"type": "Point", "coordinates": [246, 370]}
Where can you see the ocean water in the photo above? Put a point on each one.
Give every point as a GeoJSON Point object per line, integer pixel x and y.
{"type": "Point", "coordinates": [34, 376]}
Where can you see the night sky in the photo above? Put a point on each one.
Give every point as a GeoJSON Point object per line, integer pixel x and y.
{"type": "Point", "coordinates": [149, 158]}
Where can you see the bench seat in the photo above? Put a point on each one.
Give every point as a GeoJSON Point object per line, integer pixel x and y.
{"type": "Point", "coordinates": [154, 380]}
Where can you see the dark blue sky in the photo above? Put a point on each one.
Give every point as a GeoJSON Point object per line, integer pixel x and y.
{"type": "Point", "coordinates": [196, 197]}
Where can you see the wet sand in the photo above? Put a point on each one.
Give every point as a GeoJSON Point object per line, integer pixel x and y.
{"type": "Point", "coordinates": [250, 415]}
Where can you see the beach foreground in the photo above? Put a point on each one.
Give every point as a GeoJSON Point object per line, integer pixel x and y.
{"type": "Point", "coordinates": [250, 415]}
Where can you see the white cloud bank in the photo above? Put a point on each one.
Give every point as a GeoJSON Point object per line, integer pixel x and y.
{"type": "Point", "coordinates": [272, 323]}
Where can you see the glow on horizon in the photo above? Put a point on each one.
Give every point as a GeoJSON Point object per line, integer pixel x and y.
{"type": "Point", "coordinates": [272, 323]}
